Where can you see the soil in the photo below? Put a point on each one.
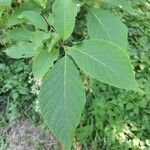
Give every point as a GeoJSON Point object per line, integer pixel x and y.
{"type": "Point", "coordinates": [23, 135]}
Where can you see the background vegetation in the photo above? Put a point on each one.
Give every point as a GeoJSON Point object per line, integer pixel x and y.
{"type": "Point", "coordinates": [113, 119]}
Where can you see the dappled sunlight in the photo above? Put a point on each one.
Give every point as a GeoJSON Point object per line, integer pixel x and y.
{"type": "Point", "coordinates": [127, 136]}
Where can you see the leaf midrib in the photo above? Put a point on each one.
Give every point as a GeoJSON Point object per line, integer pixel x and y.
{"type": "Point", "coordinates": [65, 73]}
{"type": "Point", "coordinates": [96, 60]}
{"type": "Point", "coordinates": [101, 24]}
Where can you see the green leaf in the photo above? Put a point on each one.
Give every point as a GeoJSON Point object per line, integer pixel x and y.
{"type": "Point", "coordinates": [38, 37]}
{"type": "Point", "coordinates": [105, 62]}
{"type": "Point", "coordinates": [1, 11]}
{"type": "Point", "coordinates": [13, 18]}
{"type": "Point", "coordinates": [5, 3]}
{"type": "Point", "coordinates": [124, 4]}
{"type": "Point", "coordinates": [21, 50]}
{"type": "Point", "coordinates": [19, 34]}
{"type": "Point", "coordinates": [104, 25]}
{"type": "Point", "coordinates": [43, 62]}
{"type": "Point", "coordinates": [34, 18]}
{"type": "Point", "coordinates": [41, 2]}
{"type": "Point", "coordinates": [54, 40]}
{"type": "Point", "coordinates": [50, 19]}
{"type": "Point", "coordinates": [62, 100]}
{"type": "Point", "coordinates": [64, 13]}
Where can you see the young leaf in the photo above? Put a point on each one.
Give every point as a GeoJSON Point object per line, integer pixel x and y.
{"type": "Point", "coordinates": [62, 100]}
{"type": "Point", "coordinates": [34, 18]}
{"type": "Point", "coordinates": [43, 62]}
{"type": "Point", "coordinates": [54, 40]}
{"type": "Point", "coordinates": [50, 19]}
{"type": "Point", "coordinates": [104, 25]}
{"type": "Point", "coordinates": [64, 13]}
{"type": "Point", "coordinates": [21, 50]}
{"type": "Point", "coordinates": [106, 62]}
{"type": "Point", "coordinates": [19, 34]}
{"type": "Point", "coordinates": [122, 4]}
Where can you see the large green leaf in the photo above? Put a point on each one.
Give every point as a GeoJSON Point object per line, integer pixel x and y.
{"type": "Point", "coordinates": [34, 18]}
{"type": "Point", "coordinates": [64, 13]}
{"type": "Point", "coordinates": [62, 99]}
{"type": "Point", "coordinates": [124, 4]}
{"type": "Point", "coordinates": [43, 62]}
{"type": "Point", "coordinates": [21, 50]}
{"type": "Point", "coordinates": [106, 62]}
{"type": "Point", "coordinates": [19, 34]}
{"type": "Point", "coordinates": [104, 25]}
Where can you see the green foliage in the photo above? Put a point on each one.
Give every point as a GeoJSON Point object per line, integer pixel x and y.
{"type": "Point", "coordinates": [21, 50]}
{"type": "Point", "coordinates": [18, 34]}
{"type": "Point", "coordinates": [97, 54]}
{"type": "Point", "coordinates": [61, 97]}
{"type": "Point", "coordinates": [15, 91]}
{"type": "Point", "coordinates": [123, 4]}
{"type": "Point", "coordinates": [64, 13]}
{"type": "Point", "coordinates": [61, 101]}
{"type": "Point", "coordinates": [5, 3]}
{"type": "Point", "coordinates": [34, 18]}
{"type": "Point", "coordinates": [116, 119]}
{"type": "Point", "coordinates": [43, 62]}
{"type": "Point", "coordinates": [104, 25]}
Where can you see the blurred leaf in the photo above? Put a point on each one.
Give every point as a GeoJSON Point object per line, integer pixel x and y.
{"type": "Point", "coordinates": [34, 18]}
{"type": "Point", "coordinates": [105, 62]}
{"type": "Point", "coordinates": [5, 3]}
{"type": "Point", "coordinates": [41, 2]}
{"type": "Point", "coordinates": [21, 50]}
{"type": "Point", "coordinates": [104, 25]}
{"type": "Point", "coordinates": [123, 4]}
{"type": "Point", "coordinates": [64, 13]}
{"type": "Point", "coordinates": [43, 62]}
{"type": "Point", "coordinates": [38, 37]}
{"type": "Point", "coordinates": [13, 17]}
{"type": "Point", "coordinates": [19, 34]}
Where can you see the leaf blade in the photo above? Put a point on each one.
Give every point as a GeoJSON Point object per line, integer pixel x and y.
{"type": "Point", "coordinates": [38, 37]}
{"type": "Point", "coordinates": [19, 34]}
{"type": "Point", "coordinates": [106, 62]}
{"type": "Point", "coordinates": [122, 4]}
{"type": "Point", "coordinates": [64, 13]}
{"type": "Point", "coordinates": [21, 50]}
{"type": "Point", "coordinates": [34, 18]}
{"type": "Point", "coordinates": [62, 100]}
{"type": "Point", "coordinates": [104, 25]}
{"type": "Point", "coordinates": [5, 3]}
{"type": "Point", "coordinates": [43, 62]}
